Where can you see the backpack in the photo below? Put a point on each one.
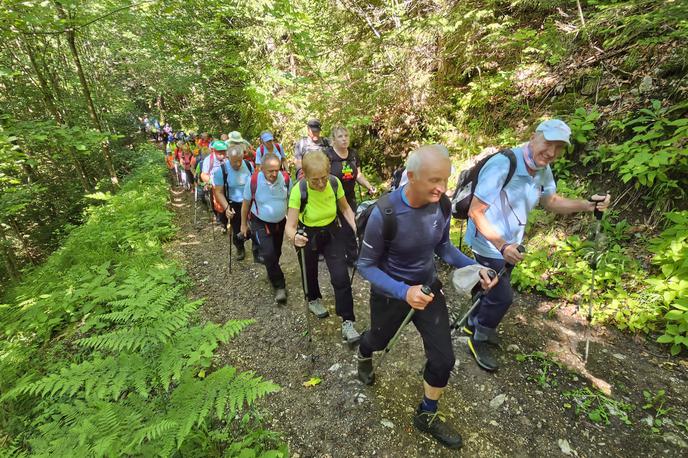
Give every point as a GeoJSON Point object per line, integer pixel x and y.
{"type": "Point", "coordinates": [277, 146]}
{"type": "Point", "coordinates": [254, 187]}
{"type": "Point", "coordinates": [225, 174]}
{"type": "Point", "coordinates": [468, 180]}
{"type": "Point", "coordinates": [389, 220]}
{"type": "Point", "coordinates": [303, 188]}
{"type": "Point", "coordinates": [396, 178]}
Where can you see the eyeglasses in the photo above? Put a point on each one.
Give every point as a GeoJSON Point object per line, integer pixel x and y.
{"type": "Point", "coordinates": [520, 223]}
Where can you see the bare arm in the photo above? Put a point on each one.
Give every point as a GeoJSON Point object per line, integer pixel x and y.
{"type": "Point", "coordinates": [476, 212]}
{"type": "Point", "coordinates": [291, 226]}
{"type": "Point", "coordinates": [362, 180]}
{"type": "Point", "coordinates": [245, 207]}
{"type": "Point", "coordinates": [345, 210]}
{"type": "Point", "coordinates": [561, 205]}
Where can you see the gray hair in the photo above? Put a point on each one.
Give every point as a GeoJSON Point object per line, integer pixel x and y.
{"type": "Point", "coordinates": [235, 151]}
{"type": "Point", "coordinates": [414, 162]}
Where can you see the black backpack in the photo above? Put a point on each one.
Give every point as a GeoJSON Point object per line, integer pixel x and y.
{"type": "Point", "coordinates": [396, 178]}
{"type": "Point", "coordinates": [303, 188]}
{"type": "Point", "coordinates": [389, 220]}
{"type": "Point", "coordinates": [468, 180]}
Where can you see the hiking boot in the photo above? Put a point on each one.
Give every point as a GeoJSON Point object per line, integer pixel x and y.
{"type": "Point", "coordinates": [281, 296]}
{"type": "Point", "coordinates": [317, 308]}
{"type": "Point", "coordinates": [434, 424]}
{"type": "Point", "coordinates": [349, 333]}
{"type": "Point", "coordinates": [482, 353]}
{"type": "Point", "coordinates": [241, 253]}
{"type": "Point", "coordinates": [365, 369]}
{"type": "Point", "coordinates": [258, 259]}
{"type": "Point", "coordinates": [492, 339]}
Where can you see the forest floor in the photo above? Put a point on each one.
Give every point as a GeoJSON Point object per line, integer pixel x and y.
{"type": "Point", "coordinates": [521, 410]}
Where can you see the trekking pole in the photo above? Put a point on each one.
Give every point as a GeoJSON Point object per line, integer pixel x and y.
{"type": "Point", "coordinates": [593, 265]}
{"type": "Point", "coordinates": [304, 283]}
{"type": "Point", "coordinates": [427, 291]}
{"type": "Point", "coordinates": [230, 246]}
{"type": "Point", "coordinates": [195, 204]}
{"type": "Point", "coordinates": [460, 322]}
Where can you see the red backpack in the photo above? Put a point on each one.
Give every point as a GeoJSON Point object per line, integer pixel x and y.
{"type": "Point", "coordinates": [254, 187]}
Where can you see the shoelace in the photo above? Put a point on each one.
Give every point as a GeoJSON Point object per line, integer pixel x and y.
{"type": "Point", "coordinates": [437, 414]}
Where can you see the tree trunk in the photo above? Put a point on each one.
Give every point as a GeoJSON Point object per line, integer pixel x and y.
{"type": "Point", "coordinates": [71, 41]}
{"type": "Point", "coordinates": [8, 256]}
{"type": "Point", "coordinates": [57, 115]}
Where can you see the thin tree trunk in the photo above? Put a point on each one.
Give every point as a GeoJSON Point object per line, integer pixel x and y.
{"type": "Point", "coordinates": [8, 256]}
{"type": "Point", "coordinates": [71, 41]}
{"type": "Point", "coordinates": [57, 115]}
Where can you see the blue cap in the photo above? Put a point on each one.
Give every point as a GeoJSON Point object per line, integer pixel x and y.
{"type": "Point", "coordinates": [555, 130]}
{"type": "Point", "coordinates": [266, 136]}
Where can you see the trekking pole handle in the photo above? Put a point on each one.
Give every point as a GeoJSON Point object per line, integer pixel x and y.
{"type": "Point", "coordinates": [425, 289]}
{"type": "Point", "coordinates": [521, 249]}
{"type": "Point", "coordinates": [596, 212]}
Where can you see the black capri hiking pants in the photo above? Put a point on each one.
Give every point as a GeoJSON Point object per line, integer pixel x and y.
{"type": "Point", "coordinates": [269, 237]}
{"type": "Point", "coordinates": [328, 241]}
{"type": "Point", "coordinates": [387, 314]}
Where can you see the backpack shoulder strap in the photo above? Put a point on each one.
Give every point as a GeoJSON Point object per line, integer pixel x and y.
{"type": "Point", "coordinates": [224, 180]}
{"type": "Point", "coordinates": [249, 166]}
{"type": "Point", "coordinates": [287, 179]}
{"type": "Point", "coordinates": [512, 165]}
{"type": "Point", "coordinates": [303, 190]}
{"type": "Point", "coordinates": [445, 205]}
{"type": "Point", "coordinates": [334, 182]}
{"type": "Point", "coordinates": [279, 148]}
{"type": "Point", "coordinates": [389, 219]}
{"type": "Point", "coordinates": [254, 187]}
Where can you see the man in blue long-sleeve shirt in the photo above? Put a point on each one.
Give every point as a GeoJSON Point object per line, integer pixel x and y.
{"type": "Point", "coordinates": [398, 269]}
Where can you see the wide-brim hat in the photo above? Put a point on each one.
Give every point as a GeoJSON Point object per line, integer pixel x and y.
{"type": "Point", "coordinates": [235, 137]}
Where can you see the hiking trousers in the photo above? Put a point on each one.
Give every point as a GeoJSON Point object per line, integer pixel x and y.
{"type": "Point", "coordinates": [269, 237]}
{"type": "Point", "coordinates": [234, 224]}
{"type": "Point", "coordinates": [387, 314]}
{"type": "Point", "coordinates": [327, 240]}
{"type": "Point", "coordinates": [495, 303]}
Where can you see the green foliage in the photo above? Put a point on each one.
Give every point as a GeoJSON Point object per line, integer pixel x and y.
{"type": "Point", "coordinates": [582, 124]}
{"type": "Point", "coordinates": [670, 251]}
{"type": "Point", "coordinates": [546, 368]}
{"type": "Point", "coordinates": [654, 402]}
{"type": "Point", "coordinates": [100, 353]}
{"type": "Point", "coordinates": [655, 155]}
{"type": "Point", "coordinates": [598, 407]}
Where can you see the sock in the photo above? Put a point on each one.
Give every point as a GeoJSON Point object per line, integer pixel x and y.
{"type": "Point", "coordinates": [428, 405]}
{"type": "Point", "coordinates": [364, 354]}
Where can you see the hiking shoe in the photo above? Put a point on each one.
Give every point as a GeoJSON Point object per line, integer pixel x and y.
{"type": "Point", "coordinates": [434, 424]}
{"type": "Point", "coordinates": [482, 353]}
{"type": "Point", "coordinates": [317, 308]}
{"type": "Point", "coordinates": [258, 259]}
{"type": "Point", "coordinates": [349, 333]}
{"type": "Point", "coordinates": [365, 369]}
{"type": "Point", "coordinates": [492, 339]}
{"type": "Point", "coordinates": [241, 253]}
{"type": "Point", "coordinates": [281, 296]}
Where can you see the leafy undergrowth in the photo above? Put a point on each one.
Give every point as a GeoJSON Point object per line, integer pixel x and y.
{"type": "Point", "coordinates": [100, 355]}
{"type": "Point", "coordinates": [638, 290]}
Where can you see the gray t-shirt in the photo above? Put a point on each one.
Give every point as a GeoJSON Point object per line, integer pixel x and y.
{"type": "Point", "coordinates": [306, 145]}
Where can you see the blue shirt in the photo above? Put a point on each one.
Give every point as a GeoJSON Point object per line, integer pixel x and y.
{"type": "Point", "coordinates": [205, 165]}
{"type": "Point", "coordinates": [236, 180]}
{"type": "Point", "coordinates": [508, 211]}
{"type": "Point", "coordinates": [275, 151]}
{"type": "Point", "coordinates": [409, 259]}
{"type": "Point", "coordinates": [270, 204]}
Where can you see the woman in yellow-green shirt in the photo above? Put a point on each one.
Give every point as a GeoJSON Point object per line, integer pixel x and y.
{"type": "Point", "coordinates": [313, 205]}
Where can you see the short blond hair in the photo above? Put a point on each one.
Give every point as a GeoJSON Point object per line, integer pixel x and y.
{"type": "Point", "coordinates": [314, 162]}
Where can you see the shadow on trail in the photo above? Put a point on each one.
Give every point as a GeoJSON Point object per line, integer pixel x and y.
{"type": "Point", "coordinates": [517, 411]}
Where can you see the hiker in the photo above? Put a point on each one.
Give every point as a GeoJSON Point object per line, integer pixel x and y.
{"type": "Point", "coordinates": [497, 218]}
{"type": "Point", "coordinates": [235, 138]}
{"type": "Point", "coordinates": [203, 140]}
{"type": "Point", "coordinates": [345, 165]}
{"type": "Point", "coordinates": [210, 164]}
{"type": "Point", "coordinates": [313, 206]}
{"type": "Point", "coordinates": [188, 162]}
{"type": "Point", "coordinates": [265, 208]}
{"type": "Point", "coordinates": [269, 145]}
{"type": "Point", "coordinates": [312, 142]}
{"type": "Point", "coordinates": [399, 263]}
{"type": "Point", "coordinates": [229, 181]}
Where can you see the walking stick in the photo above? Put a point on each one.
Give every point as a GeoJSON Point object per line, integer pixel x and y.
{"type": "Point", "coordinates": [458, 323]}
{"type": "Point", "coordinates": [304, 283]}
{"type": "Point", "coordinates": [593, 265]}
{"type": "Point", "coordinates": [427, 291]}
{"type": "Point", "coordinates": [195, 204]}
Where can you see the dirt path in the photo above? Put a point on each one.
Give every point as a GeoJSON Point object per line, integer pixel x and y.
{"type": "Point", "coordinates": [518, 411]}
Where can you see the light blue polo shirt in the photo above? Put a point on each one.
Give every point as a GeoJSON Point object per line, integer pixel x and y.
{"type": "Point", "coordinates": [275, 151]}
{"type": "Point", "coordinates": [270, 202]}
{"type": "Point", "coordinates": [205, 165]}
{"type": "Point", "coordinates": [508, 211]}
{"type": "Point", "coordinates": [236, 180]}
